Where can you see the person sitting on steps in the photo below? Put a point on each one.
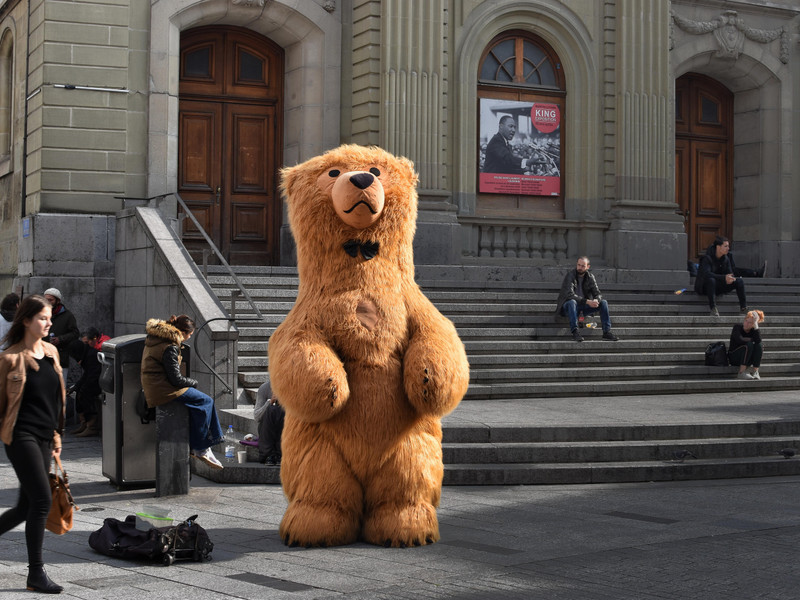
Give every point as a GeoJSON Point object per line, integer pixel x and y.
{"type": "Point", "coordinates": [715, 276]}
{"type": "Point", "coordinates": [579, 293]}
{"type": "Point", "coordinates": [745, 348]}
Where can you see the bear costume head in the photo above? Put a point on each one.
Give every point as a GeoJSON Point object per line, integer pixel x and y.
{"type": "Point", "coordinates": [365, 366]}
{"type": "Point", "coordinates": [355, 196]}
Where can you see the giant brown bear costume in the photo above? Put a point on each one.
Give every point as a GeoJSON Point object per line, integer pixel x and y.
{"type": "Point", "coordinates": [364, 364]}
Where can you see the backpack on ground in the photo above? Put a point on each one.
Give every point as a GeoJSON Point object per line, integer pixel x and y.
{"type": "Point", "coordinates": [121, 539]}
{"type": "Point", "coordinates": [716, 355]}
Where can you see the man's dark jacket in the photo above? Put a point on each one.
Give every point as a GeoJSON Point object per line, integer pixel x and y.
{"type": "Point", "coordinates": [570, 291]}
{"type": "Point", "coordinates": [65, 328]}
{"type": "Point", "coordinates": [500, 158]}
{"type": "Point", "coordinates": [712, 267]}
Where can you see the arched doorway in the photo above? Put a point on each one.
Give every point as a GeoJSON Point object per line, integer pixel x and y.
{"type": "Point", "coordinates": [230, 140]}
{"type": "Point", "coordinates": [703, 159]}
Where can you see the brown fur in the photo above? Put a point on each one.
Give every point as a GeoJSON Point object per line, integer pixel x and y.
{"type": "Point", "coordinates": [364, 364]}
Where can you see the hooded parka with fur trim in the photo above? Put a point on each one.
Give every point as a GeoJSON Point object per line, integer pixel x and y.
{"type": "Point", "coordinates": [161, 361]}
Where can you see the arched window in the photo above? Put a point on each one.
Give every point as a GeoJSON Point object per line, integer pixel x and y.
{"type": "Point", "coordinates": [6, 88]}
{"type": "Point", "coordinates": [521, 101]}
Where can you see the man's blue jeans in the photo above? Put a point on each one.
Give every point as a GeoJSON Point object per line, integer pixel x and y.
{"type": "Point", "coordinates": [570, 309]}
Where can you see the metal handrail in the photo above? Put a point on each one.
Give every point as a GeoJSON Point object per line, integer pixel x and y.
{"type": "Point", "coordinates": [156, 201]}
{"type": "Point", "coordinates": [219, 255]}
{"type": "Point", "coordinates": [209, 241]}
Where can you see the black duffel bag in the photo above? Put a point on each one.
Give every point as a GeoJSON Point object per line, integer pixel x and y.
{"type": "Point", "coordinates": [716, 355]}
{"type": "Point", "coordinates": [121, 539]}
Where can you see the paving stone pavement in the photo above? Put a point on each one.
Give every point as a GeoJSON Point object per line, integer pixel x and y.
{"type": "Point", "coordinates": [724, 539]}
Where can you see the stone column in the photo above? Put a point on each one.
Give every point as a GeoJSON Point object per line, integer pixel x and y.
{"type": "Point", "coordinates": [414, 41]}
{"type": "Point", "coordinates": [646, 232]}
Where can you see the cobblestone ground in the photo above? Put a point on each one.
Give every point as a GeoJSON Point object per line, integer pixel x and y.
{"type": "Point", "coordinates": [689, 540]}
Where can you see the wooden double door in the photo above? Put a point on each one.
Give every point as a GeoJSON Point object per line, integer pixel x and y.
{"type": "Point", "coordinates": [703, 159]}
{"type": "Point", "coordinates": [229, 142]}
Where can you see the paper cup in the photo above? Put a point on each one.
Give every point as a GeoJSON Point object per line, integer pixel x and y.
{"type": "Point", "coordinates": [242, 456]}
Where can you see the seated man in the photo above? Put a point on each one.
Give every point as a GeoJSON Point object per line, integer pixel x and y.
{"type": "Point", "coordinates": [270, 426]}
{"type": "Point", "coordinates": [715, 276]}
{"type": "Point", "coordinates": [579, 293]}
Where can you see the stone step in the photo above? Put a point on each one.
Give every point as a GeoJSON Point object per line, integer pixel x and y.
{"type": "Point", "coordinates": [475, 455]}
{"type": "Point", "coordinates": [623, 372]}
{"type": "Point", "coordinates": [560, 389]}
{"type": "Point", "coordinates": [590, 379]}
{"type": "Point", "coordinates": [523, 432]}
{"type": "Point", "coordinates": [696, 357]}
{"type": "Point", "coordinates": [489, 361]}
{"type": "Point", "coordinates": [565, 344]}
{"type": "Point", "coordinates": [552, 473]}
{"type": "Point", "coordinates": [614, 451]}
{"type": "Point", "coordinates": [618, 472]}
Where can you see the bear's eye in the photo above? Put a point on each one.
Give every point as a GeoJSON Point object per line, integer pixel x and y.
{"type": "Point", "coordinates": [334, 172]}
{"type": "Point", "coordinates": [375, 171]}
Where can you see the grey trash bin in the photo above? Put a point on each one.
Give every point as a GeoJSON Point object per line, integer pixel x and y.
{"type": "Point", "coordinates": [129, 445]}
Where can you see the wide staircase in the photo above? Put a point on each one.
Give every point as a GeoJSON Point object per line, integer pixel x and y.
{"type": "Point", "coordinates": [519, 354]}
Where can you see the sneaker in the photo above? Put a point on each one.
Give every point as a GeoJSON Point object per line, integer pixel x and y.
{"type": "Point", "coordinates": [744, 375]}
{"type": "Point", "coordinates": [762, 272]}
{"type": "Point", "coordinates": [714, 312]}
{"type": "Point", "coordinates": [609, 335]}
{"type": "Point", "coordinates": [576, 335]}
{"type": "Point", "coordinates": [207, 456]}
{"type": "Point", "coordinates": [743, 309]}
{"type": "Point", "coordinates": [272, 460]}
{"type": "Point", "coordinates": [754, 373]}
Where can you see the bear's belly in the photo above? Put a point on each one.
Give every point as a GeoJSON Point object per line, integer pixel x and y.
{"type": "Point", "coordinates": [368, 329]}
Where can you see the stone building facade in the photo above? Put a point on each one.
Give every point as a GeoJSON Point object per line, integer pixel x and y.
{"type": "Point", "coordinates": [678, 120]}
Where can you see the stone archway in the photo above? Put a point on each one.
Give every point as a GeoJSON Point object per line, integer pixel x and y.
{"type": "Point", "coordinates": [758, 200]}
{"type": "Point", "coordinates": [760, 77]}
{"type": "Point", "coordinates": [311, 39]}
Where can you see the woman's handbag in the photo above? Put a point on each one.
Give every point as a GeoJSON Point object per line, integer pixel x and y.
{"type": "Point", "coordinates": [59, 521]}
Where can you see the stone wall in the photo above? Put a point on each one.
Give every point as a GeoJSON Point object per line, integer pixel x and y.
{"type": "Point", "coordinates": [75, 254]}
{"type": "Point", "coordinates": [156, 278]}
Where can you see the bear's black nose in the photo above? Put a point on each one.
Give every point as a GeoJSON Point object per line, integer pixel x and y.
{"type": "Point", "coordinates": [362, 180]}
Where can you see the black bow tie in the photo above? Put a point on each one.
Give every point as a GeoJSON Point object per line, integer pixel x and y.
{"type": "Point", "coordinates": [368, 249]}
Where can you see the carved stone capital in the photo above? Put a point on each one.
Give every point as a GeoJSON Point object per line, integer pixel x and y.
{"type": "Point", "coordinates": [730, 32]}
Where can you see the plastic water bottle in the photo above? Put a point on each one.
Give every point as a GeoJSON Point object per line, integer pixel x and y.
{"type": "Point", "coordinates": [230, 445]}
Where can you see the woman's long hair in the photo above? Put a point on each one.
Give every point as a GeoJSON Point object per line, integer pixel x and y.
{"type": "Point", "coordinates": [182, 323]}
{"type": "Point", "coordinates": [28, 309]}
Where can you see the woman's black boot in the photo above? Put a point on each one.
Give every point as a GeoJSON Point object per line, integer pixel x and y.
{"type": "Point", "coordinates": [38, 581]}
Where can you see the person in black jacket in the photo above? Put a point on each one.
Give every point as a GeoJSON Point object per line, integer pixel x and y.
{"type": "Point", "coordinates": [500, 157]}
{"type": "Point", "coordinates": [579, 293]}
{"type": "Point", "coordinates": [64, 330]}
{"type": "Point", "coordinates": [715, 276]}
{"type": "Point", "coordinates": [88, 395]}
{"type": "Point", "coordinates": [270, 426]}
{"type": "Point", "coordinates": [745, 348]}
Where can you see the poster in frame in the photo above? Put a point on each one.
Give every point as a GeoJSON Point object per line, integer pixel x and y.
{"type": "Point", "coordinates": [519, 148]}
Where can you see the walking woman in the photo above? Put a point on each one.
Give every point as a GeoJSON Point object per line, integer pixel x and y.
{"type": "Point", "coordinates": [32, 401]}
{"type": "Point", "coordinates": [745, 349]}
{"type": "Point", "coordinates": [162, 382]}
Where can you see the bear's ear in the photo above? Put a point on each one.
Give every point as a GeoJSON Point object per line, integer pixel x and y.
{"type": "Point", "coordinates": [289, 176]}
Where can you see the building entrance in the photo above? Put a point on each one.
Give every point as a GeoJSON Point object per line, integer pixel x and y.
{"type": "Point", "coordinates": [703, 165]}
{"type": "Point", "coordinates": [230, 140]}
